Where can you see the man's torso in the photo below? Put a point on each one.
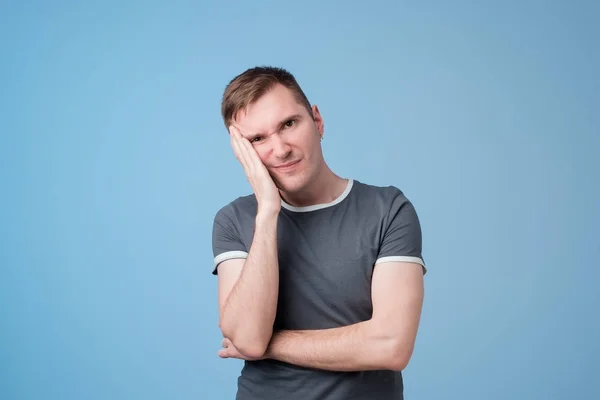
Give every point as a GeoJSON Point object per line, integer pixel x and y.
{"type": "Point", "coordinates": [326, 258]}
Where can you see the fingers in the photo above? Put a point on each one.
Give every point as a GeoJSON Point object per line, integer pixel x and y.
{"type": "Point", "coordinates": [252, 157]}
{"type": "Point", "coordinates": [244, 146]}
{"type": "Point", "coordinates": [224, 353]}
{"type": "Point", "coordinates": [241, 153]}
{"type": "Point", "coordinates": [245, 150]}
{"type": "Point", "coordinates": [227, 350]}
{"type": "Point", "coordinates": [235, 142]}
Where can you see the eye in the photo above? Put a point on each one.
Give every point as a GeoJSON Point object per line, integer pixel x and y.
{"type": "Point", "coordinates": [290, 123]}
{"type": "Point", "coordinates": [255, 139]}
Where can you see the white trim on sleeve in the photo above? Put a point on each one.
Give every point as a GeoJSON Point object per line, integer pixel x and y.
{"type": "Point", "coordinates": [400, 259]}
{"type": "Point", "coordinates": [229, 255]}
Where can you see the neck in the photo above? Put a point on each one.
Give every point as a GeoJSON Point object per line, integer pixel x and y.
{"type": "Point", "coordinates": [324, 189]}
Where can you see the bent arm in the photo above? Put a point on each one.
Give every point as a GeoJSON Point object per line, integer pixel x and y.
{"type": "Point", "coordinates": [386, 341]}
{"type": "Point", "coordinates": [248, 291]}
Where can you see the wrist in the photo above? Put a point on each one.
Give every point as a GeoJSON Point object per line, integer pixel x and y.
{"type": "Point", "coordinates": [266, 216]}
{"type": "Point", "coordinates": [271, 351]}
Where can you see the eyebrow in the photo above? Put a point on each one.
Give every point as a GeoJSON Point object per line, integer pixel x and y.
{"type": "Point", "coordinates": [279, 125]}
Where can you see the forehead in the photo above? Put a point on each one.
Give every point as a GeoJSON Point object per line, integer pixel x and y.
{"type": "Point", "coordinates": [270, 110]}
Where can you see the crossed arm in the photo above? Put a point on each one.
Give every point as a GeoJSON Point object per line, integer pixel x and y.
{"type": "Point", "coordinates": [386, 341]}
{"type": "Point", "coordinates": [244, 284]}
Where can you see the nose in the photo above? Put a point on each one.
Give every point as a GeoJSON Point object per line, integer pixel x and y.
{"type": "Point", "coordinates": [281, 149]}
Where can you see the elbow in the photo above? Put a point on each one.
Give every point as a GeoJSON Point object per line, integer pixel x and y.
{"type": "Point", "coordinates": [398, 360]}
{"type": "Point", "coordinates": [398, 357]}
{"type": "Point", "coordinates": [250, 345]}
{"type": "Point", "coordinates": [252, 350]}
{"type": "Point", "coordinates": [393, 347]}
{"type": "Point", "coordinates": [397, 364]}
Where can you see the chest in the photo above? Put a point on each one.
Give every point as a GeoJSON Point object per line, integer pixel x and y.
{"type": "Point", "coordinates": [325, 271]}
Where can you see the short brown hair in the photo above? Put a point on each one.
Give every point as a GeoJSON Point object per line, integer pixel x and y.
{"type": "Point", "coordinates": [250, 85]}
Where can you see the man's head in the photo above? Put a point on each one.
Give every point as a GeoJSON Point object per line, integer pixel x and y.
{"type": "Point", "coordinates": [270, 109]}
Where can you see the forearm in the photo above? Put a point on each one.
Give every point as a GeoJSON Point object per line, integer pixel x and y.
{"type": "Point", "coordinates": [358, 347]}
{"type": "Point", "coordinates": [249, 312]}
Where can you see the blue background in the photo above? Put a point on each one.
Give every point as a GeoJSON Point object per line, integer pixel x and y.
{"type": "Point", "coordinates": [114, 160]}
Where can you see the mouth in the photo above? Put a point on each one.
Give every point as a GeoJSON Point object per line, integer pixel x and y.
{"type": "Point", "coordinates": [287, 167]}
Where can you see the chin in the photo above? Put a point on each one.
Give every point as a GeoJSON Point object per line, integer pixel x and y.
{"type": "Point", "coordinates": [291, 184]}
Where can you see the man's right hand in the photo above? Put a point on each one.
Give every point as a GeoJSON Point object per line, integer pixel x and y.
{"type": "Point", "coordinates": [267, 194]}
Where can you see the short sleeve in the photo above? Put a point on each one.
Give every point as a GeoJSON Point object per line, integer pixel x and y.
{"type": "Point", "coordinates": [402, 238]}
{"type": "Point", "coordinates": [226, 239]}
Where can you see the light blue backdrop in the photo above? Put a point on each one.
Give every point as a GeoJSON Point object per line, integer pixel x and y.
{"type": "Point", "coordinates": [114, 160]}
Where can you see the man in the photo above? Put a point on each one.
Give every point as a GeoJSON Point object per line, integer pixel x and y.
{"type": "Point", "coordinates": [320, 278]}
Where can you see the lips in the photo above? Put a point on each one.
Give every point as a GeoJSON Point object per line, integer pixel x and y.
{"type": "Point", "coordinates": [287, 166]}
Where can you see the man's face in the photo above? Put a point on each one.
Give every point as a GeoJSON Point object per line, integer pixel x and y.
{"type": "Point", "coordinates": [285, 136]}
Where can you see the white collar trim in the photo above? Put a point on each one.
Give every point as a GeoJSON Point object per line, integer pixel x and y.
{"type": "Point", "coordinates": [320, 206]}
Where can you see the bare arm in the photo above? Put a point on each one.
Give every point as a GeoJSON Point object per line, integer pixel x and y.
{"type": "Point", "coordinates": [248, 291]}
{"type": "Point", "coordinates": [386, 341]}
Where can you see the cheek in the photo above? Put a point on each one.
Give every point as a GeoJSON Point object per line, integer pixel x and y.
{"type": "Point", "coordinates": [306, 142]}
{"type": "Point", "coordinates": [263, 153]}
{"type": "Point", "coordinates": [312, 146]}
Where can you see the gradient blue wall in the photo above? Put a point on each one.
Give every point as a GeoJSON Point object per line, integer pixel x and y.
{"type": "Point", "coordinates": [113, 161]}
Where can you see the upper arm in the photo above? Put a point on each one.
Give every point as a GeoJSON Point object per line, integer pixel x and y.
{"type": "Point", "coordinates": [229, 273]}
{"type": "Point", "coordinates": [402, 237]}
{"type": "Point", "coordinates": [397, 296]}
{"type": "Point", "coordinates": [229, 253]}
{"type": "Point", "coordinates": [397, 282]}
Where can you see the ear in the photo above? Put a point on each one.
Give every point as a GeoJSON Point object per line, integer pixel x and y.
{"type": "Point", "coordinates": [318, 120]}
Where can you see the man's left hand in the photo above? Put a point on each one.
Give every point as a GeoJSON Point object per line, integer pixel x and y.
{"type": "Point", "coordinates": [229, 351]}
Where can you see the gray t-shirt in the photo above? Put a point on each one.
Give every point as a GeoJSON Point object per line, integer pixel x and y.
{"type": "Point", "coordinates": [326, 258]}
